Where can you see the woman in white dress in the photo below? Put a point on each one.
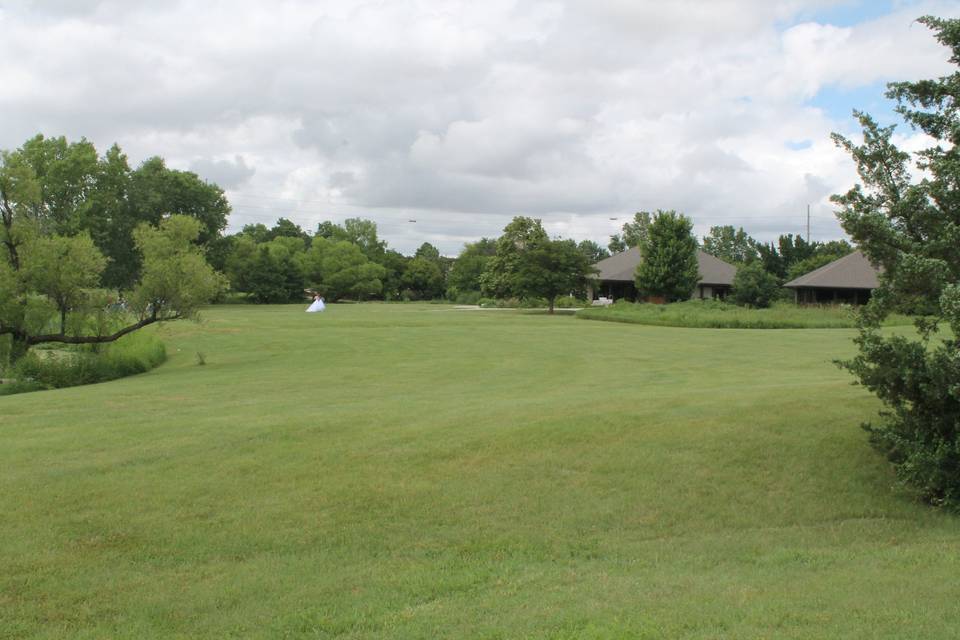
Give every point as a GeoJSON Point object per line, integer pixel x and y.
{"type": "Point", "coordinates": [317, 305]}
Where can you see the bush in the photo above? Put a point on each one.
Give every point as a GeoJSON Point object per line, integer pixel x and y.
{"type": "Point", "coordinates": [570, 302]}
{"type": "Point", "coordinates": [754, 287]}
{"type": "Point", "coordinates": [716, 314]}
{"type": "Point", "coordinates": [58, 368]}
{"type": "Point", "coordinates": [467, 297]}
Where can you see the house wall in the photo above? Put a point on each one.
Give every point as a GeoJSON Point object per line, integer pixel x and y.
{"type": "Point", "coordinates": [710, 292]}
{"type": "Point", "coordinates": [818, 295]}
{"type": "Point", "coordinates": [617, 290]}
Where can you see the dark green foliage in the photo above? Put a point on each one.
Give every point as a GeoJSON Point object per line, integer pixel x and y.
{"type": "Point", "coordinates": [358, 231]}
{"type": "Point", "coordinates": [55, 369]}
{"type": "Point", "coordinates": [632, 234]}
{"type": "Point", "coordinates": [273, 278]}
{"type": "Point", "coordinates": [788, 250]}
{"type": "Point", "coordinates": [669, 265]}
{"type": "Point", "coordinates": [616, 244]}
{"type": "Point", "coordinates": [754, 287]}
{"type": "Point", "coordinates": [423, 279]}
{"type": "Point", "coordinates": [394, 265]}
{"type": "Point", "coordinates": [287, 229]}
{"type": "Point", "coordinates": [912, 229]}
{"type": "Point", "coordinates": [637, 231]}
{"type": "Point", "coordinates": [464, 276]}
{"type": "Point", "coordinates": [552, 268]}
{"type": "Point", "coordinates": [339, 269]}
{"type": "Point", "coordinates": [528, 264]}
{"type": "Point", "coordinates": [499, 279]}
{"type": "Point", "coordinates": [593, 251]}
{"type": "Point", "coordinates": [78, 191]}
{"type": "Point", "coordinates": [731, 245]}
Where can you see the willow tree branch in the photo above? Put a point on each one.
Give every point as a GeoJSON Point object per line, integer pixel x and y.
{"type": "Point", "coordinates": [65, 339]}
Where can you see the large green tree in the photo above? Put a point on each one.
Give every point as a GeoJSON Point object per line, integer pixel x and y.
{"type": "Point", "coordinates": [464, 276]}
{"type": "Point", "coordinates": [552, 268]}
{"type": "Point", "coordinates": [358, 231]}
{"type": "Point", "coordinates": [48, 281]}
{"type": "Point", "coordinates": [339, 269]}
{"type": "Point", "coordinates": [499, 279]}
{"type": "Point", "coordinates": [910, 225]}
{"type": "Point", "coordinates": [75, 189]}
{"type": "Point", "coordinates": [668, 268]}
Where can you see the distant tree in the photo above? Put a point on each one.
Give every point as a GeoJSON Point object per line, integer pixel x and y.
{"type": "Point", "coordinates": [464, 276]}
{"type": "Point", "coordinates": [551, 268]}
{"type": "Point", "coordinates": [777, 257]}
{"type": "Point", "coordinates": [423, 278]}
{"type": "Point", "coordinates": [754, 287]}
{"type": "Point", "coordinates": [287, 229]}
{"type": "Point", "coordinates": [593, 251]}
{"type": "Point", "coordinates": [732, 245]}
{"type": "Point", "coordinates": [632, 234]}
{"type": "Point", "coordinates": [616, 244]}
{"type": "Point", "coordinates": [257, 232]}
{"type": "Point", "coordinates": [428, 251]}
{"type": "Point", "coordinates": [499, 279]}
{"type": "Point", "coordinates": [273, 276]}
{"type": "Point", "coordinates": [668, 267]}
{"type": "Point", "coordinates": [241, 262]}
{"type": "Point", "coordinates": [358, 231]}
{"type": "Point", "coordinates": [637, 231]}
{"type": "Point", "coordinates": [838, 248]}
{"type": "Point", "coordinates": [911, 227]}
{"type": "Point", "coordinates": [395, 265]}
{"type": "Point", "coordinates": [339, 269]}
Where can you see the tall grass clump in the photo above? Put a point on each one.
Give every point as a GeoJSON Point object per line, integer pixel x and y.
{"type": "Point", "coordinates": [715, 314]}
{"type": "Point", "coordinates": [55, 368]}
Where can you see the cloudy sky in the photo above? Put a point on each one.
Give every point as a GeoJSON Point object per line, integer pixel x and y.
{"type": "Point", "coordinates": [460, 114]}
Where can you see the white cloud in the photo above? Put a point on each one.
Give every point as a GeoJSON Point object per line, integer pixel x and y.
{"type": "Point", "coordinates": [461, 114]}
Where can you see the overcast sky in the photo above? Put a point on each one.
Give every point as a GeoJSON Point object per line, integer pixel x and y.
{"type": "Point", "coordinates": [461, 114]}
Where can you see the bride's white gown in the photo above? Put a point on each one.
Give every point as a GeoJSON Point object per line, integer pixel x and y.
{"type": "Point", "coordinates": [316, 306]}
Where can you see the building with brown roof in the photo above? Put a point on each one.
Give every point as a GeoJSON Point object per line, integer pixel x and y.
{"type": "Point", "coordinates": [617, 274]}
{"type": "Point", "coordinates": [851, 279]}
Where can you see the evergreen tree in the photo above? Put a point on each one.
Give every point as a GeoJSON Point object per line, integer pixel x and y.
{"type": "Point", "coordinates": [911, 227]}
{"type": "Point", "coordinates": [668, 267]}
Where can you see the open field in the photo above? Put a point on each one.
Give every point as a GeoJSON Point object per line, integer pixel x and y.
{"type": "Point", "coordinates": [418, 472]}
{"type": "Point", "coordinates": [714, 314]}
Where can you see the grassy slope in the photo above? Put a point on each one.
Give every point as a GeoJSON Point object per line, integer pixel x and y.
{"type": "Point", "coordinates": [403, 471]}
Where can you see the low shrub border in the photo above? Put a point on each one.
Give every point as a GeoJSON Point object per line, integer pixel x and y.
{"type": "Point", "coordinates": [58, 368]}
{"type": "Point", "coordinates": [713, 314]}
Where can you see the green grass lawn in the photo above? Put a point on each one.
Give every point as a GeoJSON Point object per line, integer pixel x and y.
{"type": "Point", "coordinates": [403, 471]}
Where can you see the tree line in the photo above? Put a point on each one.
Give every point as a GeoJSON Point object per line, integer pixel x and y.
{"type": "Point", "coordinates": [81, 231]}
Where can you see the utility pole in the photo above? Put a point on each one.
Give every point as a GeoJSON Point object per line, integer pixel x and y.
{"type": "Point", "coordinates": [808, 223]}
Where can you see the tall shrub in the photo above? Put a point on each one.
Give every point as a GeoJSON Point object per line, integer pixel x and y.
{"type": "Point", "coordinates": [911, 227]}
{"type": "Point", "coordinates": [669, 265]}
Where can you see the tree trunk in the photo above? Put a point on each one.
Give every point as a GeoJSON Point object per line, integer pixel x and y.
{"type": "Point", "coordinates": [552, 302]}
{"type": "Point", "coordinates": [18, 348]}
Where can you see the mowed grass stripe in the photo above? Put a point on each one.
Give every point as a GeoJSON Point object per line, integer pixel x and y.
{"type": "Point", "coordinates": [415, 471]}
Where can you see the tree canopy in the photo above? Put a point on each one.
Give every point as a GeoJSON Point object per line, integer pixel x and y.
{"type": "Point", "coordinates": [528, 264]}
{"type": "Point", "coordinates": [668, 268]}
{"type": "Point", "coordinates": [66, 188]}
{"type": "Point", "coordinates": [48, 281]}
{"type": "Point", "coordinates": [910, 226]}
{"type": "Point", "coordinates": [733, 245]}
